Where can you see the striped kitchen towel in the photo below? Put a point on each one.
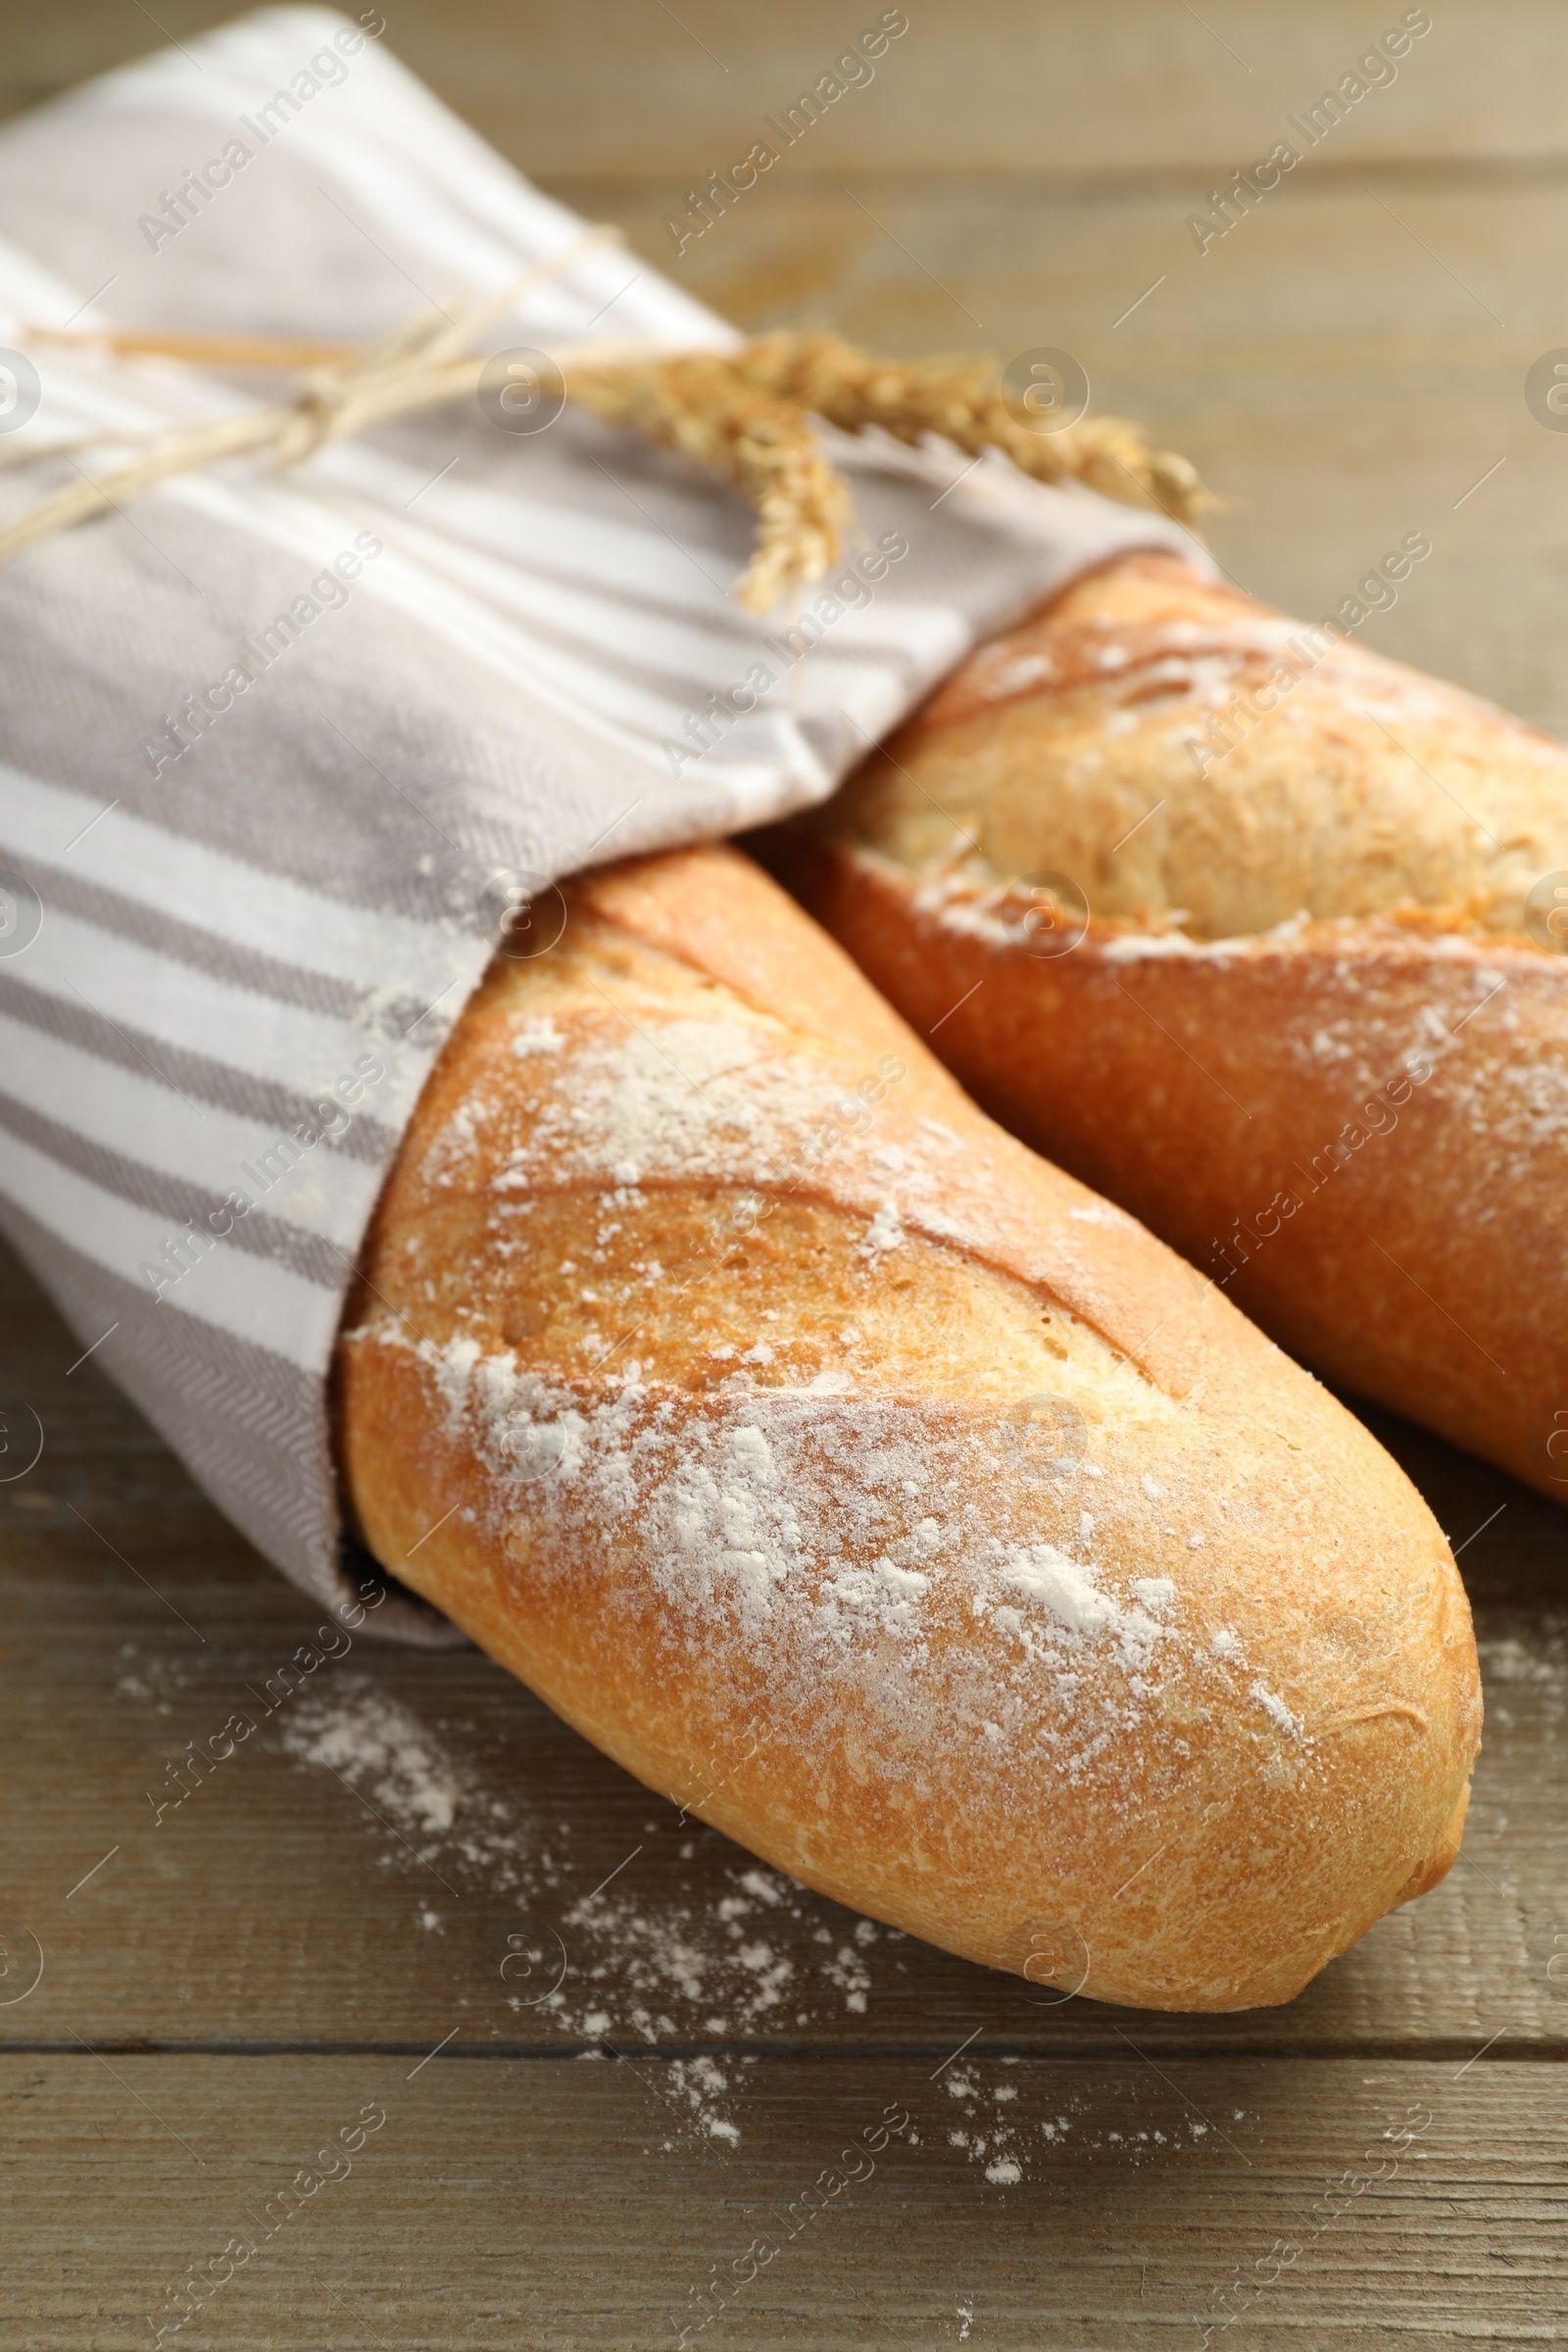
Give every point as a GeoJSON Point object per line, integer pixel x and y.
{"type": "Point", "coordinates": [282, 753]}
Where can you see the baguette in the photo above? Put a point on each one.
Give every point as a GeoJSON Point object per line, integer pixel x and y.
{"type": "Point", "coordinates": [1298, 1003]}
{"type": "Point", "coordinates": [859, 1480]}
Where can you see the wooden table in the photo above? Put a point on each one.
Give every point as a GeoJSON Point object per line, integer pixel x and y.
{"type": "Point", "coordinates": [335, 1927]}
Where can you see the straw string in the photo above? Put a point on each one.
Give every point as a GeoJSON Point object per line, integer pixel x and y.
{"type": "Point", "coordinates": [746, 414]}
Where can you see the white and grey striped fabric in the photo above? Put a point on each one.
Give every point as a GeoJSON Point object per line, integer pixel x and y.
{"type": "Point", "coordinates": [278, 752]}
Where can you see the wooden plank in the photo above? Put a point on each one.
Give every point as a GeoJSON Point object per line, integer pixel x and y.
{"type": "Point", "coordinates": [354, 1870]}
{"type": "Point", "coordinates": [1006, 86]}
{"type": "Point", "coordinates": [1333, 2204]}
{"type": "Point", "coordinates": [1135, 85]}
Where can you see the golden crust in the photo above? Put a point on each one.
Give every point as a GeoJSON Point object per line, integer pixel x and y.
{"type": "Point", "coordinates": [1091, 741]}
{"type": "Point", "coordinates": [872, 1487]}
{"type": "Point", "coordinates": [1353, 1121]}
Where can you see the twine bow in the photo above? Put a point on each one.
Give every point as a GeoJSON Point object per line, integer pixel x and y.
{"type": "Point", "coordinates": [745, 413]}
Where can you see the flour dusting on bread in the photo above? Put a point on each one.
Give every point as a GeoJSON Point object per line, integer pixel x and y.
{"type": "Point", "coordinates": [723, 1367]}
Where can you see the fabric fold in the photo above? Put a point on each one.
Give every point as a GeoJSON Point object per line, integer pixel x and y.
{"type": "Point", "coordinates": [280, 753]}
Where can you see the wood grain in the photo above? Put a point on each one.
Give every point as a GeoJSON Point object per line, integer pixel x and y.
{"type": "Point", "coordinates": [570, 2206]}
{"type": "Point", "coordinates": [1004, 85]}
{"type": "Point", "coordinates": [229, 1985]}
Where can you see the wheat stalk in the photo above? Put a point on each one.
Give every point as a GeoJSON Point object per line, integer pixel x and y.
{"type": "Point", "coordinates": [747, 415]}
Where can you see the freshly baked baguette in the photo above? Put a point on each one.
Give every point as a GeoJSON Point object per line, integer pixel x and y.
{"type": "Point", "coordinates": [867, 1485]}
{"type": "Point", "coordinates": [1316, 1031]}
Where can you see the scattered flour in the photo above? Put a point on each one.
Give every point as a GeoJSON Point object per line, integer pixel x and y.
{"type": "Point", "coordinates": [537, 1035]}
{"type": "Point", "coordinates": [1100, 1212]}
{"type": "Point", "coordinates": [764, 1955]}
{"type": "Point", "coordinates": [1002, 2144]}
{"type": "Point", "coordinates": [884, 1233]}
{"type": "Point", "coordinates": [1542, 1658]}
{"type": "Point", "coordinates": [832, 1541]}
{"type": "Point", "coordinates": [384, 1748]}
{"type": "Point", "coordinates": [1277, 1711]}
{"type": "Point", "coordinates": [680, 1098]}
